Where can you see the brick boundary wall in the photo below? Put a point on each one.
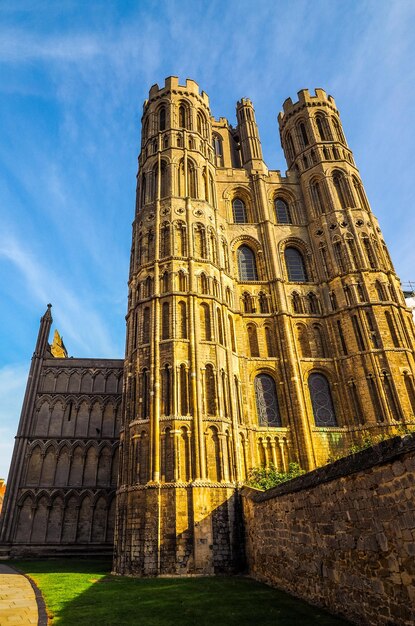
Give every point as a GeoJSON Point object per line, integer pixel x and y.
{"type": "Point", "coordinates": [342, 536]}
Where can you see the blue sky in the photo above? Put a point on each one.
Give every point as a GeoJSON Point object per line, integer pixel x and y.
{"type": "Point", "coordinates": [73, 76]}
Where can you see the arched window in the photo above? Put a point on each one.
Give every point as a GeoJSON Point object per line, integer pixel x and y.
{"type": "Point", "coordinates": [248, 303]}
{"type": "Point", "coordinates": [313, 303]}
{"type": "Point", "coordinates": [199, 241]}
{"type": "Point", "coordinates": [379, 291]}
{"type": "Point", "coordinates": [166, 390]}
{"type": "Point", "coordinates": [184, 397]}
{"type": "Point", "coordinates": [239, 211]}
{"type": "Point", "coordinates": [182, 325]}
{"type": "Point", "coordinates": [317, 196]}
{"type": "Point", "coordinates": [338, 253]}
{"type": "Point", "coordinates": [162, 118]}
{"type": "Point", "coordinates": [353, 258]}
{"type": "Point", "coordinates": [357, 408]}
{"type": "Point", "coordinates": [145, 394]}
{"type": "Point", "coordinates": [290, 148]}
{"type": "Point", "coordinates": [338, 130]}
{"type": "Point", "coordinates": [220, 326]}
{"type": "Point", "coordinates": [263, 302]}
{"type": "Point", "coordinates": [218, 148]}
{"type": "Point", "coordinates": [319, 341]}
{"type": "Point", "coordinates": [270, 341]}
{"type": "Point", "coordinates": [340, 186]}
{"type": "Point", "coordinates": [191, 179]}
{"type": "Point", "coordinates": [295, 265]}
{"type": "Point", "coordinates": [181, 239]}
{"type": "Point", "coordinates": [232, 333]}
{"type": "Point", "coordinates": [182, 281]}
{"type": "Point", "coordinates": [303, 341]}
{"type": "Point", "coordinates": [201, 124]}
{"type": "Point", "coordinates": [246, 264]}
{"type": "Point", "coordinates": [390, 395]}
{"type": "Point", "coordinates": [165, 282]}
{"type": "Point", "coordinates": [282, 212]}
{"type": "Point", "coordinates": [210, 390]}
{"type": "Point", "coordinates": [321, 400]}
{"type": "Point", "coordinates": [303, 134]}
{"type": "Point", "coordinates": [266, 401]}
{"type": "Point", "coordinates": [358, 187]}
{"type": "Point", "coordinates": [163, 183]}
{"type": "Point", "coordinates": [204, 285]}
{"type": "Point", "coordinates": [409, 385]}
{"type": "Point", "coordinates": [165, 240]}
{"type": "Point", "coordinates": [253, 340]}
{"type": "Point", "coordinates": [182, 116]}
{"type": "Point", "coordinates": [323, 128]}
{"type": "Point", "coordinates": [392, 329]}
{"type": "Point", "coordinates": [165, 321]}
{"type": "Point", "coordinates": [296, 303]}
{"type": "Point", "coordinates": [146, 325]}
{"type": "Point", "coordinates": [143, 190]}
{"type": "Point", "coordinates": [205, 325]}
{"type": "Point", "coordinates": [369, 251]}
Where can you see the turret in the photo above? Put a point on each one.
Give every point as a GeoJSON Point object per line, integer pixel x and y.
{"type": "Point", "coordinates": [251, 152]}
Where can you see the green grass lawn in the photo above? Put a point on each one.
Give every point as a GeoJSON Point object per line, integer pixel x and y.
{"type": "Point", "coordinates": [83, 593]}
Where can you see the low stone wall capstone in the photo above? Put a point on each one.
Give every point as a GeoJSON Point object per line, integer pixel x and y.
{"type": "Point", "coordinates": [343, 536]}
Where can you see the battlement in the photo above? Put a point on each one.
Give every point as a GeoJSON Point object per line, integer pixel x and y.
{"type": "Point", "coordinates": [244, 102]}
{"type": "Point", "coordinates": [305, 99]}
{"type": "Point", "coordinates": [171, 83]}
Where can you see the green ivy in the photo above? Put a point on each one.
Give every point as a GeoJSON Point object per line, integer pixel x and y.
{"type": "Point", "coordinates": [267, 477]}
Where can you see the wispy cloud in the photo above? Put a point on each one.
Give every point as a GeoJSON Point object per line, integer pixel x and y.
{"type": "Point", "coordinates": [83, 325]}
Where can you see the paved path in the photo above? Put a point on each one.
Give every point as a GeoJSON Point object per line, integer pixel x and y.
{"type": "Point", "coordinates": [17, 599]}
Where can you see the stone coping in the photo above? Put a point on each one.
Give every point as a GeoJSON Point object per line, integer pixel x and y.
{"type": "Point", "coordinates": [381, 453]}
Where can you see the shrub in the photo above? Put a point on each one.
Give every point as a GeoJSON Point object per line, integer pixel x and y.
{"type": "Point", "coordinates": [267, 477]}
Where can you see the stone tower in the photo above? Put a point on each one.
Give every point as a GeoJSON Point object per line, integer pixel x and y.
{"type": "Point", "coordinates": [265, 322]}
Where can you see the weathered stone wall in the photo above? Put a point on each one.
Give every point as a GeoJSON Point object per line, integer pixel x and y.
{"type": "Point", "coordinates": [343, 535]}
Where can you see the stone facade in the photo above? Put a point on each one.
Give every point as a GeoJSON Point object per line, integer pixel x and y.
{"type": "Point", "coordinates": [265, 324]}
{"type": "Point", "coordinates": [265, 321]}
{"type": "Point", "coordinates": [61, 492]}
{"type": "Point", "coordinates": [342, 536]}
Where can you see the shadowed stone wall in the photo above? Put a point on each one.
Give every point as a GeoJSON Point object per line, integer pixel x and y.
{"type": "Point", "coordinates": [342, 536]}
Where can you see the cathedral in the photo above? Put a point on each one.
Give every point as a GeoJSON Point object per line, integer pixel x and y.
{"type": "Point", "coordinates": [265, 325]}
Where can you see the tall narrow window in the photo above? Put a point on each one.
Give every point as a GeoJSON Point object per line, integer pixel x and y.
{"type": "Point", "coordinates": [204, 285]}
{"type": "Point", "coordinates": [321, 400]}
{"type": "Point", "coordinates": [146, 325]}
{"type": "Point", "coordinates": [238, 399]}
{"type": "Point", "coordinates": [303, 133]}
{"type": "Point", "coordinates": [290, 148]}
{"type": "Point", "coordinates": [375, 399]}
{"type": "Point", "coordinates": [358, 333]}
{"type": "Point", "coordinates": [340, 187]}
{"type": "Point", "coordinates": [210, 390]}
{"type": "Point", "coordinates": [372, 329]}
{"type": "Point", "coordinates": [191, 179]}
{"type": "Point", "coordinates": [220, 326]}
{"type": "Point", "coordinates": [392, 329]}
{"type": "Point", "coordinates": [165, 282]}
{"type": "Point", "coordinates": [409, 385]}
{"type": "Point", "coordinates": [338, 253]}
{"type": "Point", "coordinates": [323, 128]}
{"type": "Point", "coordinates": [182, 320]}
{"type": "Point", "coordinates": [263, 303]}
{"type": "Point", "coordinates": [182, 281]}
{"type": "Point", "coordinates": [303, 341]}
{"type": "Point", "coordinates": [295, 265]}
{"type": "Point", "coordinates": [266, 401]}
{"type": "Point", "coordinates": [317, 196]}
{"type": "Point", "coordinates": [390, 395]}
{"type": "Point", "coordinates": [379, 291]}
{"type": "Point", "coordinates": [143, 190]}
{"type": "Point", "coordinates": [282, 212]}
{"type": "Point", "coordinates": [324, 264]}
{"type": "Point", "coordinates": [217, 146]}
{"type": "Point", "coordinates": [239, 211]}
{"type": "Point", "coordinates": [199, 241]}
{"type": "Point", "coordinates": [320, 342]}
{"type": "Point", "coordinates": [253, 340]}
{"type": "Point", "coordinates": [224, 393]}
{"type": "Point", "coordinates": [341, 337]}
{"type": "Point", "coordinates": [165, 321]}
{"type": "Point", "coordinates": [205, 326]}
{"type": "Point", "coordinates": [184, 398]}
{"type": "Point", "coordinates": [166, 390]}
{"type": "Point", "coordinates": [164, 182]}
{"type": "Point", "coordinates": [181, 239]}
{"type": "Point", "coordinates": [162, 118]}
{"type": "Point", "coordinates": [338, 129]}
{"type": "Point", "coordinates": [246, 264]}
{"type": "Point", "coordinates": [145, 394]}
{"type": "Point", "coordinates": [356, 404]}
{"type": "Point", "coordinates": [270, 341]}
{"type": "Point", "coordinates": [358, 187]}
{"type": "Point", "coordinates": [369, 252]}
{"type": "Point", "coordinates": [296, 303]}
{"type": "Point", "coordinates": [182, 116]}
{"type": "Point", "coordinates": [232, 333]}
{"type": "Point", "coordinates": [248, 303]}
{"type": "Point", "coordinates": [313, 304]}
{"type": "Point", "coordinates": [353, 258]}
